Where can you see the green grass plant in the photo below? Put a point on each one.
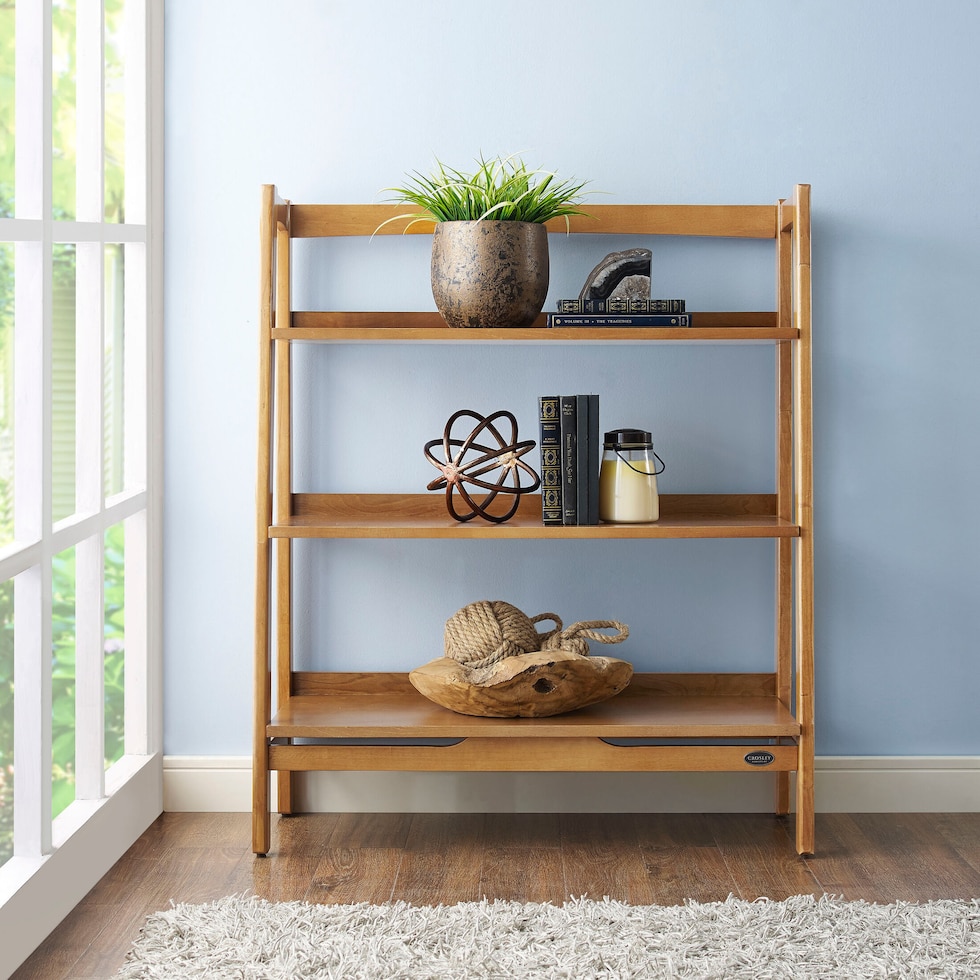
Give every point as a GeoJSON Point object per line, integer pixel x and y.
{"type": "Point", "coordinates": [499, 189]}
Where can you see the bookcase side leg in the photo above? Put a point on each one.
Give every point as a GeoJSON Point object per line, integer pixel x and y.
{"type": "Point", "coordinates": [784, 551]}
{"type": "Point", "coordinates": [262, 706]}
{"type": "Point", "coordinates": [284, 658]}
{"type": "Point", "coordinates": [262, 680]}
{"type": "Point", "coordinates": [803, 438]}
{"type": "Point", "coordinates": [284, 791]}
{"type": "Point", "coordinates": [805, 830]}
{"type": "Point", "coordinates": [282, 492]}
{"type": "Point", "coordinates": [261, 828]}
{"type": "Point", "coordinates": [781, 803]}
{"type": "Point", "coordinates": [784, 485]}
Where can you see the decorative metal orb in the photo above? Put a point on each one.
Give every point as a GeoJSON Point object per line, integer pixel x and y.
{"type": "Point", "coordinates": [461, 470]}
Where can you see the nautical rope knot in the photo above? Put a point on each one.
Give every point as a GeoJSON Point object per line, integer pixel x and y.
{"type": "Point", "coordinates": [483, 633]}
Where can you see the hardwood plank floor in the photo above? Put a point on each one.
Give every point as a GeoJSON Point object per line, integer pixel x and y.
{"type": "Point", "coordinates": [448, 858]}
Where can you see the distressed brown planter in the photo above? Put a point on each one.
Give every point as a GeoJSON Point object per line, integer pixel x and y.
{"type": "Point", "coordinates": [489, 273]}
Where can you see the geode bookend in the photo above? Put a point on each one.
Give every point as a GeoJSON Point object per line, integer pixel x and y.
{"type": "Point", "coordinates": [620, 275]}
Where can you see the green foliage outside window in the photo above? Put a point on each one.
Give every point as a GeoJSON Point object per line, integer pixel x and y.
{"type": "Point", "coordinates": [63, 666]}
{"type": "Point", "coordinates": [63, 680]}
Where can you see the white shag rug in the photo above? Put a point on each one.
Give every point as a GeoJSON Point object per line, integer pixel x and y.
{"type": "Point", "coordinates": [251, 939]}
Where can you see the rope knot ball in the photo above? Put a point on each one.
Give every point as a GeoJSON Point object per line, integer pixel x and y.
{"type": "Point", "coordinates": [484, 633]}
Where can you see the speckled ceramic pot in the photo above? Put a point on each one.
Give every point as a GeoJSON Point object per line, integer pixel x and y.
{"type": "Point", "coordinates": [489, 273]}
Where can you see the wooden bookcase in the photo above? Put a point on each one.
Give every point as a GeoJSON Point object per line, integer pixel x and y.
{"type": "Point", "coordinates": [306, 721]}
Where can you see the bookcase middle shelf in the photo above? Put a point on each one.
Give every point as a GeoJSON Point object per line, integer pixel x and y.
{"type": "Point", "coordinates": [389, 515]}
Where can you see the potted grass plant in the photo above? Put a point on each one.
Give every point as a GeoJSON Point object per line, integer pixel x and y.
{"type": "Point", "coordinates": [490, 245]}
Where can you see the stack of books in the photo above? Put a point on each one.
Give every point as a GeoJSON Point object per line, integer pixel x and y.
{"type": "Point", "coordinates": [618, 304]}
{"type": "Point", "coordinates": [569, 458]}
{"type": "Point", "coordinates": [616, 312]}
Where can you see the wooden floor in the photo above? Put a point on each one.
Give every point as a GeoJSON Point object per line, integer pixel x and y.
{"type": "Point", "coordinates": [448, 858]}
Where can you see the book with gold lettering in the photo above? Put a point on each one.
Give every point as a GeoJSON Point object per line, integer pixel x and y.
{"type": "Point", "coordinates": [621, 304]}
{"type": "Point", "coordinates": [550, 449]}
{"type": "Point", "coordinates": [619, 319]}
{"type": "Point", "coordinates": [569, 459]}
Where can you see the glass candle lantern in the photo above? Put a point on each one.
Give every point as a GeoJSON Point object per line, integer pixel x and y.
{"type": "Point", "coordinates": [628, 478]}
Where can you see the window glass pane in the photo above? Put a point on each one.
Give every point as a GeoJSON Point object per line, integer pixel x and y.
{"type": "Point", "coordinates": [115, 644]}
{"type": "Point", "coordinates": [62, 680]}
{"type": "Point", "coordinates": [63, 109]}
{"type": "Point", "coordinates": [6, 720]}
{"type": "Point", "coordinates": [115, 110]}
{"type": "Point", "coordinates": [6, 393]}
{"type": "Point", "coordinates": [7, 103]}
{"type": "Point", "coordinates": [63, 383]}
{"type": "Point", "coordinates": [112, 398]}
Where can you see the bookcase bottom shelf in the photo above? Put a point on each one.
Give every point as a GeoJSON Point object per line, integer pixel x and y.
{"type": "Point", "coordinates": [362, 722]}
{"type": "Point", "coordinates": [533, 754]}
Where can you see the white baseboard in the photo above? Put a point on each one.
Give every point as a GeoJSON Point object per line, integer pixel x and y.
{"type": "Point", "coordinates": [843, 784]}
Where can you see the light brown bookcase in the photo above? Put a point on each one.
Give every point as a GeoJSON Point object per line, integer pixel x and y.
{"type": "Point", "coordinates": [689, 722]}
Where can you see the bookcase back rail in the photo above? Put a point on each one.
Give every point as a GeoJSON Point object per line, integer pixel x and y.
{"type": "Point", "coordinates": [377, 506]}
{"type": "Point", "coordinates": [369, 683]}
{"type": "Point", "coordinates": [687, 220]}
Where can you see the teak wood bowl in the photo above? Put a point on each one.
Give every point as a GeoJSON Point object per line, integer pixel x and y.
{"type": "Point", "coordinates": [531, 685]}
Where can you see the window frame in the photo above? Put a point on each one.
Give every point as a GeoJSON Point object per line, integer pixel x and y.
{"type": "Point", "coordinates": [57, 861]}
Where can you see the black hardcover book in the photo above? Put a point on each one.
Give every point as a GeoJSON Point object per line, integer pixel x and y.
{"type": "Point", "coordinates": [621, 304]}
{"type": "Point", "coordinates": [619, 319]}
{"type": "Point", "coordinates": [582, 457]}
{"type": "Point", "coordinates": [569, 459]}
{"type": "Point", "coordinates": [593, 460]}
{"type": "Point", "coordinates": [550, 444]}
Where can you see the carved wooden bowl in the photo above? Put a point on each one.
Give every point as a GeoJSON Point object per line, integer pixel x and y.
{"type": "Point", "coordinates": [531, 685]}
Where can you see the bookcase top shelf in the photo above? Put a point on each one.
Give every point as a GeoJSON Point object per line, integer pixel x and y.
{"type": "Point", "coordinates": [411, 327]}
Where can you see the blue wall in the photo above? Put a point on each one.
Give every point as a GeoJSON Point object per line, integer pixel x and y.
{"type": "Point", "coordinates": [872, 102]}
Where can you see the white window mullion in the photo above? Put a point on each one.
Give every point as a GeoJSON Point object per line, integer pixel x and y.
{"type": "Point", "coordinates": [89, 110]}
{"type": "Point", "coordinates": [32, 388]}
{"type": "Point", "coordinates": [143, 108]}
{"type": "Point", "coordinates": [32, 517]}
{"type": "Point", "coordinates": [32, 712]}
{"type": "Point", "coordinates": [89, 686]}
{"type": "Point", "coordinates": [136, 384]}
{"type": "Point", "coordinates": [138, 109]}
{"type": "Point", "coordinates": [139, 733]}
{"type": "Point", "coordinates": [32, 148]}
{"type": "Point", "coordinates": [89, 499]}
{"type": "Point", "coordinates": [136, 381]}
{"type": "Point", "coordinates": [89, 377]}
{"type": "Point", "coordinates": [90, 231]}
{"type": "Point", "coordinates": [32, 432]}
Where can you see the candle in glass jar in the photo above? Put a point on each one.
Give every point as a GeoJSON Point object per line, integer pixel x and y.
{"type": "Point", "coordinates": [628, 491]}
